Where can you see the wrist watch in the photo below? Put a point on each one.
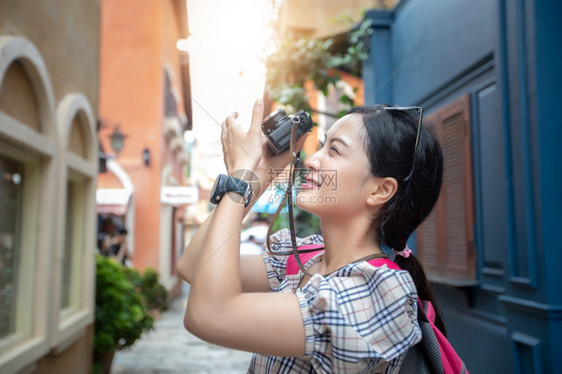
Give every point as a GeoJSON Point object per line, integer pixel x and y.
{"type": "Point", "coordinates": [225, 183]}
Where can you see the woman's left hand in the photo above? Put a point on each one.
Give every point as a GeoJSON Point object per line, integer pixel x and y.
{"type": "Point", "coordinates": [243, 150]}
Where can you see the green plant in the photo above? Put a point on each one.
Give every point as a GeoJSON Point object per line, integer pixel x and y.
{"type": "Point", "coordinates": [122, 314]}
{"type": "Point", "coordinates": [155, 293]}
{"type": "Point", "coordinates": [299, 60]}
{"type": "Point", "coordinates": [295, 62]}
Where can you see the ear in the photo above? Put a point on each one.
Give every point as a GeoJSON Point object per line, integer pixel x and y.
{"type": "Point", "coordinates": [383, 189]}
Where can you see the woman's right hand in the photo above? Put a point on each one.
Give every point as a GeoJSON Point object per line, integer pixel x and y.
{"type": "Point", "coordinates": [238, 144]}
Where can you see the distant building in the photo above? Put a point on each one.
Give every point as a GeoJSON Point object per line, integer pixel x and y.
{"type": "Point", "coordinates": [145, 91]}
{"type": "Point", "coordinates": [49, 64]}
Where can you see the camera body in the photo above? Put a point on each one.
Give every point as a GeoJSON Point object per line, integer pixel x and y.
{"type": "Point", "coordinates": [277, 129]}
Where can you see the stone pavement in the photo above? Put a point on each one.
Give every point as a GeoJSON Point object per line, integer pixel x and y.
{"type": "Point", "coordinates": [170, 349]}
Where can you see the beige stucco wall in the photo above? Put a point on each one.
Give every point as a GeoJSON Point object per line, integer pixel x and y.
{"type": "Point", "coordinates": [66, 33]}
{"type": "Point", "coordinates": [77, 358]}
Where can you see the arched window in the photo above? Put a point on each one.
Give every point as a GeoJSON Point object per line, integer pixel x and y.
{"type": "Point", "coordinates": [74, 249]}
{"type": "Point", "coordinates": [48, 167]}
{"type": "Point", "coordinates": [27, 195]}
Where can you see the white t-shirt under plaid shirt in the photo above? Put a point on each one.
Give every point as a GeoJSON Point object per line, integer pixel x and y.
{"type": "Point", "coordinates": [359, 319]}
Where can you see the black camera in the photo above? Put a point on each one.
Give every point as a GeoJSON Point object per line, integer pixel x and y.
{"type": "Point", "coordinates": [277, 128]}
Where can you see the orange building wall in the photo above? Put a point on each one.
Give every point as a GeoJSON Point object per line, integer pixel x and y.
{"type": "Point", "coordinates": [138, 41]}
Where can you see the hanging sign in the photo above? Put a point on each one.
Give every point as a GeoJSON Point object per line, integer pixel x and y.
{"type": "Point", "coordinates": [179, 195]}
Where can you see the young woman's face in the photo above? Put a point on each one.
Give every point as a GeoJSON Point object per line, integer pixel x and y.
{"type": "Point", "coordinates": [335, 184]}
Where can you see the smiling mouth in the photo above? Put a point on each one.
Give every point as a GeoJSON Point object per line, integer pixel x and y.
{"type": "Point", "coordinates": [309, 184]}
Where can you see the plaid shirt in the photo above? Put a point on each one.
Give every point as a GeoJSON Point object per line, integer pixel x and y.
{"type": "Point", "coordinates": [359, 319]}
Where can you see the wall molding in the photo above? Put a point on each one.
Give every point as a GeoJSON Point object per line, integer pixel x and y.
{"type": "Point", "coordinates": [446, 89]}
{"type": "Point", "coordinates": [532, 307]}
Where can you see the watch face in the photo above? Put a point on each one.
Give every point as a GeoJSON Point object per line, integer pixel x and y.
{"type": "Point", "coordinates": [250, 178]}
{"type": "Point", "coordinates": [215, 184]}
{"type": "Point", "coordinates": [248, 193]}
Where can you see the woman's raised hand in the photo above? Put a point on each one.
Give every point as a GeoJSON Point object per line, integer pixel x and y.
{"type": "Point", "coordinates": [243, 150]}
{"type": "Point", "coordinates": [248, 150]}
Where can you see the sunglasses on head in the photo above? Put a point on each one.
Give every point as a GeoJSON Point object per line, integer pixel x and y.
{"type": "Point", "coordinates": [419, 109]}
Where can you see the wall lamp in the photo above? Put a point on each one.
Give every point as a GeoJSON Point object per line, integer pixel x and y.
{"type": "Point", "coordinates": [146, 156]}
{"type": "Point", "coordinates": [117, 140]}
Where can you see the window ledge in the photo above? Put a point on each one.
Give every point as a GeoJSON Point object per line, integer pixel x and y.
{"type": "Point", "coordinates": [22, 356]}
{"type": "Point", "coordinates": [466, 286]}
{"type": "Point", "coordinates": [70, 329]}
{"type": "Point", "coordinates": [452, 282]}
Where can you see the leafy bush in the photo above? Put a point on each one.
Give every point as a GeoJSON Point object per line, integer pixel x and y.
{"type": "Point", "coordinates": [155, 294]}
{"type": "Point", "coordinates": [122, 313]}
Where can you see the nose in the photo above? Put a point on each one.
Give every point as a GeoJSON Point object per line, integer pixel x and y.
{"type": "Point", "coordinates": [313, 161]}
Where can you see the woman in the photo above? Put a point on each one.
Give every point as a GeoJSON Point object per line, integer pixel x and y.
{"type": "Point", "coordinates": [349, 316]}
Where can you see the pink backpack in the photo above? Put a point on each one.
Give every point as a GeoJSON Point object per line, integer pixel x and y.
{"type": "Point", "coordinates": [434, 353]}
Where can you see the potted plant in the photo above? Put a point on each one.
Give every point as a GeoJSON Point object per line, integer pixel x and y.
{"type": "Point", "coordinates": [122, 313]}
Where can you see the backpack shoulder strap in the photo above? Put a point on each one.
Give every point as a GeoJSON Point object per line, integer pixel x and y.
{"type": "Point", "coordinates": [292, 267]}
{"type": "Point", "coordinates": [377, 262]}
{"type": "Point", "coordinates": [439, 350]}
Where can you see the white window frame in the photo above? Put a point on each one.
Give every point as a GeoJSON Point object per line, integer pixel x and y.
{"type": "Point", "coordinates": [28, 239]}
{"type": "Point", "coordinates": [69, 324]}
{"type": "Point", "coordinates": [37, 149]}
{"type": "Point", "coordinates": [75, 225]}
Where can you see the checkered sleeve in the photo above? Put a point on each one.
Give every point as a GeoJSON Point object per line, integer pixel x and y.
{"type": "Point", "coordinates": [362, 321]}
{"type": "Point", "coordinates": [276, 265]}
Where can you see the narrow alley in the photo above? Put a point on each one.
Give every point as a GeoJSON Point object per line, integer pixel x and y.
{"type": "Point", "coordinates": [169, 348]}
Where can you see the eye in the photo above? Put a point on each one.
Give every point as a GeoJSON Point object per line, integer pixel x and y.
{"type": "Point", "coordinates": [332, 148]}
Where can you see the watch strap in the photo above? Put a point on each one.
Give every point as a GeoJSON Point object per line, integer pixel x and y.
{"type": "Point", "coordinates": [226, 183]}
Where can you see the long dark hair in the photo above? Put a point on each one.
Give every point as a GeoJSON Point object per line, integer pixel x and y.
{"type": "Point", "coordinates": [390, 145]}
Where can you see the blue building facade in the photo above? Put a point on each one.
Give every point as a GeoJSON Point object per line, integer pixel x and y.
{"type": "Point", "coordinates": [489, 74]}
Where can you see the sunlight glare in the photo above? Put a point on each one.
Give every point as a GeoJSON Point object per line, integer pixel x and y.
{"type": "Point", "coordinates": [243, 25]}
{"type": "Point", "coordinates": [226, 47]}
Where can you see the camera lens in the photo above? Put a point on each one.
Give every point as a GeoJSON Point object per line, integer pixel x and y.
{"type": "Point", "coordinates": [270, 122]}
{"type": "Point", "coordinates": [277, 128]}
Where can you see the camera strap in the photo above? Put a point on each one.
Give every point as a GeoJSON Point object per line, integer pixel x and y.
{"type": "Point", "coordinates": [288, 198]}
